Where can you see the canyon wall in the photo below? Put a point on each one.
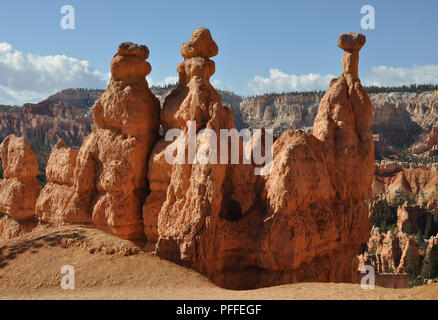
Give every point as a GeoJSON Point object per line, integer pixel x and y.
{"type": "Point", "coordinates": [63, 115]}
{"type": "Point", "coordinates": [398, 117]}
{"type": "Point", "coordinates": [400, 120]}
{"type": "Point", "coordinates": [418, 182]}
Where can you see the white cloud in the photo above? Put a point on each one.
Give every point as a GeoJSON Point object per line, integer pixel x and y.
{"type": "Point", "coordinates": [220, 85]}
{"type": "Point", "coordinates": [25, 77]}
{"type": "Point", "coordinates": [165, 82]}
{"type": "Point", "coordinates": [173, 80]}
{"type": "Point", "coordinates": [31, 78]}
{"type": "Point", "coordinates": [391, 76]}
{"type": "Point", "coordinates": [279, 81]}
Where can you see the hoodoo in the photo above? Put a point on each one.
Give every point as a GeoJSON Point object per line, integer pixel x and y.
{"type": "Point", "coordinates": [186, 198]}
{"type": "Point", "coordinates": [52, 201]}
{"type": "Point", "coordinates": [109, 180]}
{"type": "Point", "coordinates": [302, 222]}
{"type": "Point", "coordinates": [390, 252]}
{"type": "Point", "coordinates": [319, 183]}
{"type": "Point", "coordinates": [303, 219]}
{"type": "Point", "coordinates": [19, 187]}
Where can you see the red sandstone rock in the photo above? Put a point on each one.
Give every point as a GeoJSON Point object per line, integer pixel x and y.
{"type": "Point", "coordinates": [109, 181]}
{"type": "Point", "coordinates": [429, 143]}
{"type": "Point", "coordinates": [159, 175]}
{"type": "Point", "coordinates": [387, 252]}
{"type": "Point", "coordinates": [200, 44]}
{"type": "Point", "coordinates": [415, 181]}
{"type": "Point", "coordinates": [411, 219]}
{"type": "Point", "coordinates": [303, 222]}
{"type": "Point", "coordinates": [19, 188]}
{"type": "Point", "coordinates": [9, 228]}
{"type": "Point", "coordinates": [184, 196]}
{"type": "Point", "coordinates": [319, 183]}
{"type": "Point", "coordinates": [351, 41]}
{"type": "Point", "coordinates": [51, 203]}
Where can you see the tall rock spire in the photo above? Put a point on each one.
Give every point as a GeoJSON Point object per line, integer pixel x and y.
{"type": "Point", "coordinates": [343, 123]}
{"type": "Point", "coordinates": [109, 182]}
{"type": "Point", "coordinates": [187, 196]}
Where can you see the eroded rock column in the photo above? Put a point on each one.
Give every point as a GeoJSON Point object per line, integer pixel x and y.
{"type": "Point", "coordinates": [109, 183]}
{"type": "Point", "coordinates": [53, 199]}
{"type": "Point", "coordinates": [19, 187]}
{"type": "Point", "coordinates": [190, 199]}
{"type": "Point", "coordinates": [343, 124]}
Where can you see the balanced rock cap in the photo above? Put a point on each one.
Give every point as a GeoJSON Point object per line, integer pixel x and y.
{"type": "Point", "coordinates": [351, 41]}
{"type": "Point", "coordinates": [130, 62]}
{"type": "Point", "coordinates": [201, 44]}
{"type": "Point", "coordinates": [132, 49]}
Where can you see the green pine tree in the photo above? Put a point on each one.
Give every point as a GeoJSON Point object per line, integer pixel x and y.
{"type": "Point", "coordinates": [428, 230]}
{"type": "Point", "coordinates": [427, 271]}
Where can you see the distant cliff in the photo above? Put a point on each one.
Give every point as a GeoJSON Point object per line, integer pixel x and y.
{"type": "Point", "coordinates": [404, 124]}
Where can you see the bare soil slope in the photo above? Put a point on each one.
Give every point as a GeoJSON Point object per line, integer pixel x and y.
{"type": "Point", "coordinates": [107, 267]}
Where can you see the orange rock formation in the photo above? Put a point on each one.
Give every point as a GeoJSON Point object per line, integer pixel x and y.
{"type": "Point", "coordinates": [416, 181]}
{"type": "Point", "coordinates": [302, 222]}
{"type": "Point", "coordinates": [19, 188]}
{"type": "Point", "coordinates": [411, 219]}
{"type": "Point", "coordinates": [109, 180]}
{"type": "Point", "coordinates": [387, 252]}
{"type": "Point", "coordinates": [52, 201]}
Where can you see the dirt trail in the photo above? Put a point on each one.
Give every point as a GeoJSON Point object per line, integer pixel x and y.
{"type": "Point", "coordinates": [107, 267]}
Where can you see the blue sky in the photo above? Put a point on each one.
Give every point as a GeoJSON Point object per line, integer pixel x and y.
{"type": "Point", "coordinates": [264, 46]}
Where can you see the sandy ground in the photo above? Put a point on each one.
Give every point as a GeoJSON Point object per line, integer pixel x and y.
{"type": "Point", "coordinates": [107, 267]}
